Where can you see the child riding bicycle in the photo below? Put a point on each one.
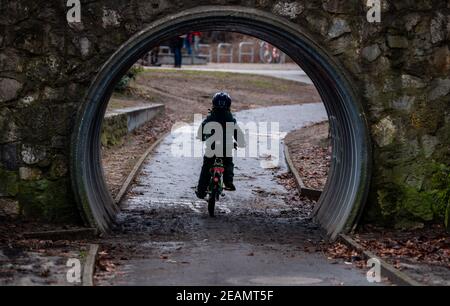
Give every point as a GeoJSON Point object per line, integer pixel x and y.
{"type": "Point", "coordinates": [219, 120]}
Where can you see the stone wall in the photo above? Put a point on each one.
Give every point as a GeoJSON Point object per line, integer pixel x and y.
{"type": "Point", "coordinates": [401, 68]}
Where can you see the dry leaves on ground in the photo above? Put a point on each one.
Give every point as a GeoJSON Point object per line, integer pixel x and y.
{"type": "Point", "coordinates": [430, 245]}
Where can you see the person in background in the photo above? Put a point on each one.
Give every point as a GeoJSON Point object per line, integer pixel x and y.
{"type": "Point", "coordinates": [196, 36]}
{"type": "Point", "coordinates": [187, 43]}
{"type": "Point", "coordinates": [176, 44]}
{"type": "Point", "coordinates": [154, 57]}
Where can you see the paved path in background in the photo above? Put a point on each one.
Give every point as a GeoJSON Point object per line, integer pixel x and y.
{"type": "Point", "coordinates": [283, 71]}
{"type": "Point", "coordinates": [261, 236]}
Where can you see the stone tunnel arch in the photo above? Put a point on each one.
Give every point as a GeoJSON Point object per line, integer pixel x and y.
{"type": "Point", "coordinates": [348, 181]}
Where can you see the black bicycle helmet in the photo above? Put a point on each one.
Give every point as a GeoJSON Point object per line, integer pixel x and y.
{"type": "Point", "coordinates": [221, 100]}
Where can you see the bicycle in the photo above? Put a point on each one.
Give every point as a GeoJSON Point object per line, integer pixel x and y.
{"type": "Point", "coordinates": [269, 54]}
{"type": "Point", "coordinates": [215, 189]}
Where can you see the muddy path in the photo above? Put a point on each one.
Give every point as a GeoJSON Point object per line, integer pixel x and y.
{"type": "Point", "coordinates": [262, 234]}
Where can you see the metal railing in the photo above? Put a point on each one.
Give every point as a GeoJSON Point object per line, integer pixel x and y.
{"type": "Point", "coordinates": [283, 58]}
{"type": "Point", "coordinates": [250, 53]}
{"type": "Point", "coordinates": [208, 51]}
{"type": "Point", "coordinates": [245, 49]}
{"type": "Point", "coordinates": [220, 53]}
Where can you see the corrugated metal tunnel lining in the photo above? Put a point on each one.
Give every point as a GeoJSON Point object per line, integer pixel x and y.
{"type": "Point", "coordinates": [348, 181]}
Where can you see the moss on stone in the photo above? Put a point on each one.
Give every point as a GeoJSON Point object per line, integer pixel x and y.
{"type": "Point", "coordinates": [440, 192]}
{"type": "Point", "coordinates": [387, 199]}
{"type": "Point", "coordinates": [8, 182]}
{"type": "Point", "coordinates": [416, 204]}
{"type": "Point", "coordinates": [47, 200]}
{"type": "Point", "coordinates": [416, 195]}
{"type": "Point", "coordinates": [114, 130]}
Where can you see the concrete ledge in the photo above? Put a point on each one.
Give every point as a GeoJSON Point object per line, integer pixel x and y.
{"type": "Point", "coordinates": [89, 265]}
{"type": "Point", "coordinates": [119, 122]}
{"type": "Point", "coordinates": [73, 234]}
{"type": "Point", "coordinates": [136, 116]}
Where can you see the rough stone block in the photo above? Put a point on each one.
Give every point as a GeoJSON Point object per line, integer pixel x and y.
{"type": "Point", "coordinates": [9, 88]}
{"type": "Point", "coordinates": [397, 42]}
{"type": "Point", "coordinates": [371, 52]}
